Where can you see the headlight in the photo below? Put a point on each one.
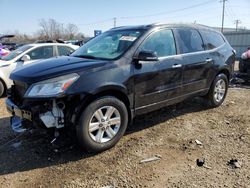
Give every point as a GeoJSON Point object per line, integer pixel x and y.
{"type": "Point", "coordinates": [51, 87]}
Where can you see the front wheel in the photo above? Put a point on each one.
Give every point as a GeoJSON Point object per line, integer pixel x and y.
{"type": "Point", "coordinates": [218, 91]}
{"type": "Point", "coordinates": [102, 124]}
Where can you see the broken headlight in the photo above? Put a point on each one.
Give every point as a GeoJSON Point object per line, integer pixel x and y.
{"type": "Point", "coordinates": [51, 87]}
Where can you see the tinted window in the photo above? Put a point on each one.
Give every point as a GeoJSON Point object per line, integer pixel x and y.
{"type": "Point", "coordinates": [64, 50]}
{"type": "Point", "coordinates": [41, 53]}
{"type": "Point", "coordinates": [189, 40]}
{"type": "Point", "coordinates": [161, 42]}
{"type": "Point", "coordinates": [212, 39]}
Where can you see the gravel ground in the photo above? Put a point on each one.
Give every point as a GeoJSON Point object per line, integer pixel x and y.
{"type": "Point", "coordinates": [29, 160]}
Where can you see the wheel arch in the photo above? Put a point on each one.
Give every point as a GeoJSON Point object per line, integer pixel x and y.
{"type": "Point", "coordinates": [224, 71]}
{"type": "Point", "coordinates": [108, 90]}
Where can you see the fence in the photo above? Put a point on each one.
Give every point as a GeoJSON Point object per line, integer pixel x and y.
{"type": "Point", "coordinates": [239, 40]}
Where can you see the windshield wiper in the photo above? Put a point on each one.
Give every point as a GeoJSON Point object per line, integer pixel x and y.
{"type": "Point", "coordinates": [85, 56]}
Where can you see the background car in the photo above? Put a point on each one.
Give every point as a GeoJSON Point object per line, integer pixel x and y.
{"type": "Point", "coordinates": [27, 54]}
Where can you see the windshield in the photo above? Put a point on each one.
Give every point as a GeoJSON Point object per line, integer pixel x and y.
{"type": "Point", "coordinates": [108, 45]}
{"type": "Point", "coordinates": [16, 52]}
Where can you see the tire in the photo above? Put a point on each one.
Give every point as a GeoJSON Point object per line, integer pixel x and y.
{"type": "Point", "coordinates": [218, 91]}
{"type": "Point", "coordinates": [242, 66]}
{"type": "Point", "coordinates": [2, 89]}
{"type": "Point", "coordinates": [94, 128]}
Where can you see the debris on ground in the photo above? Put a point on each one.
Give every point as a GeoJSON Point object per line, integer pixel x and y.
{"type": "Point", "coordinates": [207, 167]}
{"type": "Point", "coordinates": [155, 158]}
{"type": "Point", "coordinates": [198, 142]}
{"type": "Point", "coordinates": [234, 163]}
{"type": "Point", "coordinates": [108, 186]}
{"type": "Point", "coordinates": [200, 162]}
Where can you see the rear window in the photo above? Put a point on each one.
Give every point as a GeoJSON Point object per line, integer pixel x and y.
{"type": "Point", "coordinates": [212, 39]}
{"type": "Point", "coordinates": [189, 40]}
{"type": "Point", "coordinates": [64, 50]}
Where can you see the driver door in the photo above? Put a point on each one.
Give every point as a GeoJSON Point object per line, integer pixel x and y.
{"type": "Point", "coordinates": [158, 82]}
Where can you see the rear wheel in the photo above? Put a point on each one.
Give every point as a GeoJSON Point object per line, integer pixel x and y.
{"type": "Point", "coordinates": [2, 88]}
{"type": "Point", "coordinates": [218, 90]}
{"type": "Point", "coordinates": [102, 124]}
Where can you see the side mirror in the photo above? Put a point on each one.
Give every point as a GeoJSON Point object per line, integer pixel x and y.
{"type": "Point", "coordinates": [146, 56]}
{"type": "Point", "coordinates": [25, 58]}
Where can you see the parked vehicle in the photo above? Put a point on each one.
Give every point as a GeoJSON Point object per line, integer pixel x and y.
{"type": "Point", "coordinates": [27, 54]}
{"type": "Point", "coordinates": [122, 73]}
{"type": "Point", "coordinates": [6, 47]}
{"type": "Point", "coordinates": [3, 51]}
{"type": "Point", "coordinates": [244, 66]}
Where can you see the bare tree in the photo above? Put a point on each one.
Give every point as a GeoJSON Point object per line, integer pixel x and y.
{"type": "Point", "coordinates": [52, 30]}
{"type": "Point", "coordinates": [71, 31]}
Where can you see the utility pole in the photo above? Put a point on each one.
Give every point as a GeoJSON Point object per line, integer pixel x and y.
{"type": "Point", "coordinates": [237, 22]}
{"type": "Point", "coordinates": [223, 15]}
{"type": "Point", "coordinates": [114, 21]}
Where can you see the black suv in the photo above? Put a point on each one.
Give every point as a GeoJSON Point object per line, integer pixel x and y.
{"type": "Point", "coordinates": [122, 73]}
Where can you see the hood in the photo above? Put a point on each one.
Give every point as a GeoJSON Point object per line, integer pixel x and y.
{"type": "Point", "coordinates": [54, 67]}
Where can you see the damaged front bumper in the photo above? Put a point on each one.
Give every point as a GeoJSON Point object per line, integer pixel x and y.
{"type": "Point", "coordinates": [39, 114]}
{"type": "Point", "coordinates": [16, 111]}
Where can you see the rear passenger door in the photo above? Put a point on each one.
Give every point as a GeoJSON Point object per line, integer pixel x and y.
{"type": "Point", "coordinates": [195, 60]}
{"type": "Point", "coordinates": [213, 44]}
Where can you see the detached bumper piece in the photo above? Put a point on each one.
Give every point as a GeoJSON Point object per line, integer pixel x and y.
{"type": "Point", "coordinates": [16, 111]}
{"type": "Point", "coordinates": [19, 116]}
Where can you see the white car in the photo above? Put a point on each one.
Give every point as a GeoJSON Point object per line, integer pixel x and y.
{"type": "Point", "coordinates": [28, 54]}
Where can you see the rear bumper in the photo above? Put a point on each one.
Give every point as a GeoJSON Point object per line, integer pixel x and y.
{"type": "Point", "coordinates": [16, 111]}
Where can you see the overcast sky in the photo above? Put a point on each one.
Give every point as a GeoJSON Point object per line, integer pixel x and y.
{"type": "Point", "coordinates": [88, 15]}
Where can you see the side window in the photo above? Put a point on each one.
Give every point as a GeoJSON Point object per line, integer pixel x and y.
{"type": "Point", "coordinates": [161, 42]}
{"type": "Point", "coordinates": [212, 39]}
{"type": "Point", "coordinates": [41, 53]}
{"type": "Point", "coordinates": [189, 40]}
{"type": "Point", "coordinates": [64, 50]}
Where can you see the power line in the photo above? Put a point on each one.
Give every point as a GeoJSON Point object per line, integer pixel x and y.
{"type": "Point", "coordinates": [144, 16]}
{"type": "Point", "coordinates": [167, 12]}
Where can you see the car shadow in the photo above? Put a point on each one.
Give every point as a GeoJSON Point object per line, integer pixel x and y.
{"type": "Point", "coordinates": [33, 149]}
{"type": "Point", "coordinates": [237, 85]}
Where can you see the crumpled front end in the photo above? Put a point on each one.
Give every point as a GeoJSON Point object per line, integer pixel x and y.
{"type": "Point", "coordinates": [30, 113]}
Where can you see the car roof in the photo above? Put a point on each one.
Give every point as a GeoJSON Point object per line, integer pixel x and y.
{"type": "Point", "coordinates": [33, 45]}
{"type": "Point", "coordinates": [169, 25]}
{"type": "Point", "coordinates": [49, 44]}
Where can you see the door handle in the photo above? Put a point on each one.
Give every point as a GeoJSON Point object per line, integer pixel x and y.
{"type": "Point", "coordinates": [177, 66]}
{"type": "Point", "coordinates": [208, 60]}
